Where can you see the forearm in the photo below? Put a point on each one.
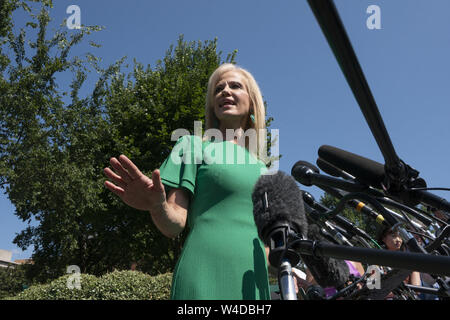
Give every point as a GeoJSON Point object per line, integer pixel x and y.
{"type": "Point", "coordinates": [415, 279]}
{"type": "Point", "coordinates": [168, 220]}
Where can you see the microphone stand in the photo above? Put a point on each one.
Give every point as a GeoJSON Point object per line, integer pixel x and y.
{"type": "Point", "coordinates": [283, 258]}
{"type": "Point", "coordinates": [286, 281]}
{"type": "Point", "coordinates": [280, 255]}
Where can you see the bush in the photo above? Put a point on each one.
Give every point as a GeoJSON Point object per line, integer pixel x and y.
{"type": "Point", "coordinates": [132, 285]}
{"type": "Point", "coordinates": [118, 285]}
{"type": "Point", "coordinates": [12, 281]}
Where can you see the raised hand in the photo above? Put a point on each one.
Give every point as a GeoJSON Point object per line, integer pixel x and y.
{"type": "Point", "coordinates": [133, 187]}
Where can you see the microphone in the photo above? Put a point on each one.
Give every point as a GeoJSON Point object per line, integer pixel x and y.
{"type": "Point", "coordinates": [349, 227]}
{"type": "Point", "coordinates": [328, 272]}
{"type": "Point", "coordinates": [308, 175]}
{"type": "Point", "coordinates": [317, 213]}
{"type": "Point", "coordinates": [364, 170]}
{"type": "Point", "coordinates": [278, 203]}
{"type": "Point", "coordinates": [279, 214]}
{"type": "Point", "coordinates": [305, 172]}
{"type": "Point", "coordinates": [336, 172]}
{"type": "Point", "coordinates": [373, 174]}
{"type": "Point", "coordinates": [332, 170]}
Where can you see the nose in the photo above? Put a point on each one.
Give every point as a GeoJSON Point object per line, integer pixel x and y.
{"type": "Point", "coordinates": [226, 90]}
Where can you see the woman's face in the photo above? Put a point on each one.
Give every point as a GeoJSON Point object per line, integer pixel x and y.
{"type": "Point", "coordinates": [231, 98]}
{"type": "Point", "coordinates": [393, 241]}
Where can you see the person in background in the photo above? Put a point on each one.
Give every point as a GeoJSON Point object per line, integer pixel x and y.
{"type": "Point", "coordinates": [392, 241]}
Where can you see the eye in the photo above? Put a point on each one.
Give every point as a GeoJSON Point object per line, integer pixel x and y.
{"type": "Point", "coordinates": [218, 89]}
{"type": "Point", "coordinates": [236, 85]}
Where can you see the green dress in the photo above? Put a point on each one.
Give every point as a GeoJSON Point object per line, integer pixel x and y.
{"type": "Point", "coordinates": [222, 257]}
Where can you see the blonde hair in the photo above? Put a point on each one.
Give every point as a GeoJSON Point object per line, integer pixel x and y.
{"type": "Point", "coordinates": [256, 102]}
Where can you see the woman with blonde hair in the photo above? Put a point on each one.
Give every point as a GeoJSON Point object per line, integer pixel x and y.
{"type": "Point", "coordinates": [204, 186]}
{"type": "Point", "coordinates": [254, 124]}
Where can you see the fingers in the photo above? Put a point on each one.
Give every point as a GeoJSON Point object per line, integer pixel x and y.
{"type": "Point", "coordinates": [120, 170]}
{"type": "Point", "coordinates": [115, 189]}
{"type": "Point", "coordinates": [156, 178]}
{"type": "Point", "coordinates": [116, 178]}
{"type": "Point", "coordinates": [130, 167]}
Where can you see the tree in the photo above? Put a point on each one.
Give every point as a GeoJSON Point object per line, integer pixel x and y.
{"type": "Point", "coordinates": [52, 152]}
{"type": "Point", "coordinates": [36, 167]}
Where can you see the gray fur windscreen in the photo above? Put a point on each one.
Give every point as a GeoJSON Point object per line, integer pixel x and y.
{"type": "Point", "coordinates": [328, 272]}
{"type": "Point", "coordinates": [285, 203]}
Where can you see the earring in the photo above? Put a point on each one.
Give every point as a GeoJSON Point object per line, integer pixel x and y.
{"type": "Point", "coordinates": [253, 118]}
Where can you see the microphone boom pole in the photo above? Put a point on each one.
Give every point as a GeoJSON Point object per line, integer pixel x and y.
{"type": "Point", "coordinates": [334, 30]}
{"type": "Point", "coordinates": [426, 263]}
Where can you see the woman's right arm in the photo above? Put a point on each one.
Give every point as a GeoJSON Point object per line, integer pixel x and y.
{"type": "Point", "coordinates": [142, 193]}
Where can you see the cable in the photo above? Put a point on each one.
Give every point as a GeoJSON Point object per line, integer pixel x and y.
{"type": "Point", "coordinates": [374, 202]}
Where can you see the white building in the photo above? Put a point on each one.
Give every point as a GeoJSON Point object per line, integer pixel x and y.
{"type": "Point", "coordinates": [5, 259]}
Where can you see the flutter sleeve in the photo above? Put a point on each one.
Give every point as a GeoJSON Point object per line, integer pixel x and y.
{"type": "Point", "coordinates": [179, 170]}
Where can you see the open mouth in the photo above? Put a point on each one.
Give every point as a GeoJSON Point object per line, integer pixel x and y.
{"type": "Point", "coordinates": [227, 103]}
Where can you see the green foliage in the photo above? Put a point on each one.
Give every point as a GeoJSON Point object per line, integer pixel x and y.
{"type": "Point", "coordinates": [40, 139]}
{"type": "Point", "coordinates": [12, 281]}
{"type": "Point", "coordinates": [58, 290]}
{"type": "Point", "coordinates": [132, 285]}
{"type": "Point", "coordinates": [117, 285]}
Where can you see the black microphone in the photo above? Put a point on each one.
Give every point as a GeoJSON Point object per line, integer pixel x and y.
{"type": "Point", "coordinates": [278, 211]}
{"type": "Point", "coordinates": [336, 172]}
{"type": "Point", "coordinates": [317, 213]}
{"type": "Point", "coordinates": [311, 201]}
{"type": "Point", "coordinates": [305, 173]}
{"type": "Point", "coordinates": [365, 170]}
{"type": "Point", "coordinates": [373, 174]}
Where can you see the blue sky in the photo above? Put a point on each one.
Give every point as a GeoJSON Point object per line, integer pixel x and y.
{"type": "Point", "coordinates": [406, 64]}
